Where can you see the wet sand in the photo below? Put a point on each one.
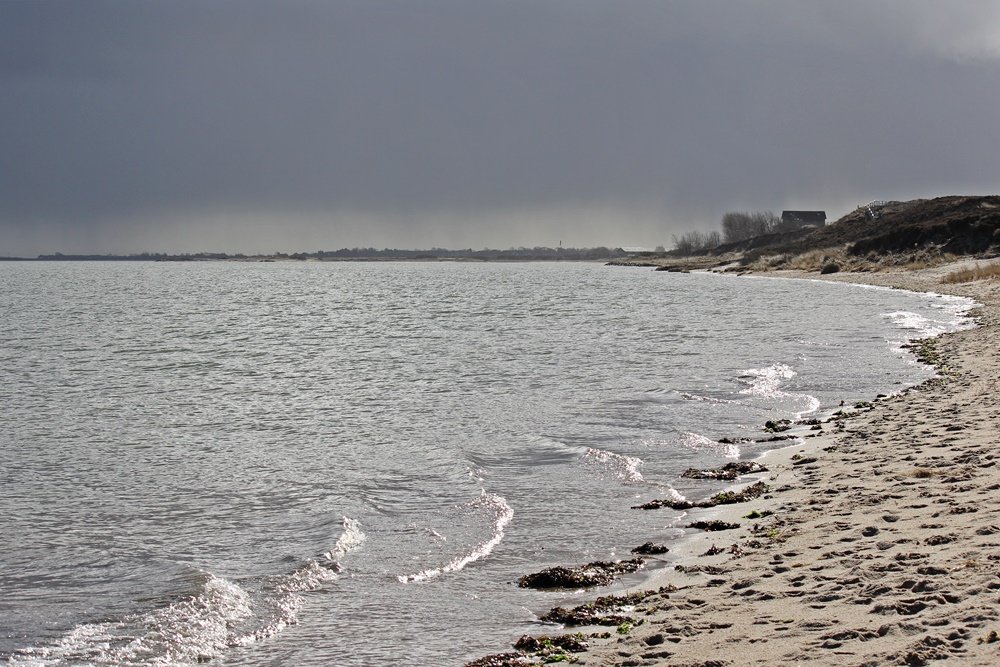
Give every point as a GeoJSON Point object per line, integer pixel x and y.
{"type": "Point", "coordinates": [884, 545]}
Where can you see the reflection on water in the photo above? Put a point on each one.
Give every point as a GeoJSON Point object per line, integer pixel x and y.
{"type": "Point", "coordinates": [307, 463]}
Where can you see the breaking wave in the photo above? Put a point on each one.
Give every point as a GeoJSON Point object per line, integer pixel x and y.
{"type": "Point", "coordinates": [218, 615]}
{"type": "Point", "coordinates": [812, 405]}
{"type": "Point", "coordinates": [349, 540]}
{"type": "Point", "coordinates": [625, 468]}
{"type": "Point", "coordinates": [922, 326]}
{"type": "Point", "coordinates": [195, 628]}
{"type": "Point", "coordinates": [766, 382]}
{"type": "Point", "coordinates": [501, 514]}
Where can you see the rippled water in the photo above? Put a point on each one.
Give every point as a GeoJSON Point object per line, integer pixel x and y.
{"type": "Point", "coordinates": [349, 464]}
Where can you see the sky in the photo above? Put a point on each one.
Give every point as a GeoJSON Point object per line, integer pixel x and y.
{"type": "Point", "coordinates": [302, 125]}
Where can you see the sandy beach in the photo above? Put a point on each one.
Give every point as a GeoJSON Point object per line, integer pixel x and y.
{"type": "Point", "coordinates": [884, 543]}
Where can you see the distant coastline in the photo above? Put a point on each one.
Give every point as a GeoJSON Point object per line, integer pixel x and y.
{"type": "Point", "coordinates": [538, 253]}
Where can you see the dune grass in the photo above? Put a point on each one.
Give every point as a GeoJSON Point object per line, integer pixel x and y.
{"type": "Point", "coordinates": [977, 272]}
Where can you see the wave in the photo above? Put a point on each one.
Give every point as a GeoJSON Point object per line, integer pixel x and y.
{"type": "Point", "coordinates": [349, 540]}
{"type": "Point", "coordinates": [673, 493]}
{"type": "Point", "coordinates": [700, 443]}
{"type": "Point", "coordinates": [625, 468]}
{"type": "Point", "coordinates": [923, 326]}
{"type": "Point", "coordinates": [502, 514]}
{"type": "Point", "coordinates": [812, 405]}
{"type": "Point", "coordinates": [621, 466]}
{"type": "Point", "coordinates": [218, 615]}
{"type": "Point", "coordinates": [765, 382]}
{"type": "Point", "coordinates": [196, 628]}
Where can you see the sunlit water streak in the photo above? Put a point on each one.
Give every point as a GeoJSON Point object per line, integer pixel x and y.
{"type": "Point", "coordinates": [300, 463]}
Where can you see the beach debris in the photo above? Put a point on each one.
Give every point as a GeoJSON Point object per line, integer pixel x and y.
{"type": "Point", "coordinates": [990, 638]}
{"type": "Point", "coordinates": [776, 438]}
{"type": "Point", "coordinates": [728, 472]}
{"type": "Point", "coordinates": [665, 502]}
{"type": "Point", "coordinates": [501, 660]}
{"type": "Point", "coordinates": [598, 573]}
{"type": "Point", "coordinates": [650, 549]}
{"type": "Point", "coordinates": [713, 525]}
{"type": "Point", "coordinates": [553, 649]}
{"type": "Point", "coordinates": [695, 569]}
{"type": "Point", "coordinates": [608, 610]}
{"type": "Point", "coordinates": [755, 490]}
{"type": "Point", "coordinates": [777, 425]}
{"type": "Point", "coordinates": [545, 645]}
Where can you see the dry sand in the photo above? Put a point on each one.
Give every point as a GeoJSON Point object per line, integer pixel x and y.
{"type": "Point", "coordinates": [884, 550]}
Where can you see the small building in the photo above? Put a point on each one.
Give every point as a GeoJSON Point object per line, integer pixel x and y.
{"type": "Point", "coordinates": [803, 218]}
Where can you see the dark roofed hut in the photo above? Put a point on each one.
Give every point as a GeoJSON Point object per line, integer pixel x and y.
{"type": "Point", "coordinates": [803, 218]}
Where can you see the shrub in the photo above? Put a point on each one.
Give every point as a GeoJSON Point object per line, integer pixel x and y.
{"type": "Point", "coordinates": [743, 225]}
{"type": "Point", "coordinates": [978, 272]}
{"type": "Point", "coordinates": [690, 243]}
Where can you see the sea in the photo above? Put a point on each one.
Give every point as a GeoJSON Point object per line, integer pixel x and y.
{"type": "Point", "coordinates": [351, 464]}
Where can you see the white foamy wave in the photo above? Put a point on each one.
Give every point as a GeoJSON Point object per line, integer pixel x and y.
{"type": "Point", "coordinates": [309, 577]}
{"type": "Point", "coordinates": [765, 382]}
{"type": "Point", "coordinates": [700, 443]}
{"type": "Point", "coordinates": [812, 405]}
{"type": "Point", "coordinates": [349, 540]}
{"type": "Point", "coordinates": [674, 494]}
{"type": "Point", "coordinates": [314, 574]}
{"type": "Point", "coordinates": [625, 468]}
{"type": "Point", "coordinates": [957, 308]}
{"type": "Point", "coordinates": [194, 629]}
{"type": "Point", "coordinates": [921, 325]}
{"type": "Point", "coordinates": [501, 513]}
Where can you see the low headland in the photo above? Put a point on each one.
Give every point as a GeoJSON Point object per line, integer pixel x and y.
{"type": "Point", "coordinates": [873, 539]}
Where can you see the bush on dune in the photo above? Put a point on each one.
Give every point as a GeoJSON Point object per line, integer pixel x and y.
{"type": "Point", "coordinates": [978, 272]}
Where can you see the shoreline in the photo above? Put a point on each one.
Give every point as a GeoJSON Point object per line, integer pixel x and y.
{"type": "Point", "coordinates": [884, 542]}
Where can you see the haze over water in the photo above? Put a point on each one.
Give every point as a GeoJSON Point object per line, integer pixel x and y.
{"type": "Point", "coordinates": [304, 463]}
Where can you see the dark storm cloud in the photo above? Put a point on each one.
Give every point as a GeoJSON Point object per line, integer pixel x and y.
{"type": "Point", "coordinates": [171, 125]}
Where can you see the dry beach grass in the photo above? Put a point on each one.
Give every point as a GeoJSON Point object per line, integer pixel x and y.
{"type": "Point", "coordinates": [884, 543]}
{"type": "Point", "coordinates": [974, 273]}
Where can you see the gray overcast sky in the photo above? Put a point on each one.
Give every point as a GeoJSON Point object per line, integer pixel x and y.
{"type": "Point", "coordinates": [252, 125]}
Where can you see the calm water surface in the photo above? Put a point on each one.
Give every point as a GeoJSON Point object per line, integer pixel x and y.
{"type": "Point", "coordinates": [349, 464]}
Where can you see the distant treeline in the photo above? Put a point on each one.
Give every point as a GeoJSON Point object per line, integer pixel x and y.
{"type": "Point", "coordinates": [535, 253]}
{"type": "Point", "coordinates": [736, 226]}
